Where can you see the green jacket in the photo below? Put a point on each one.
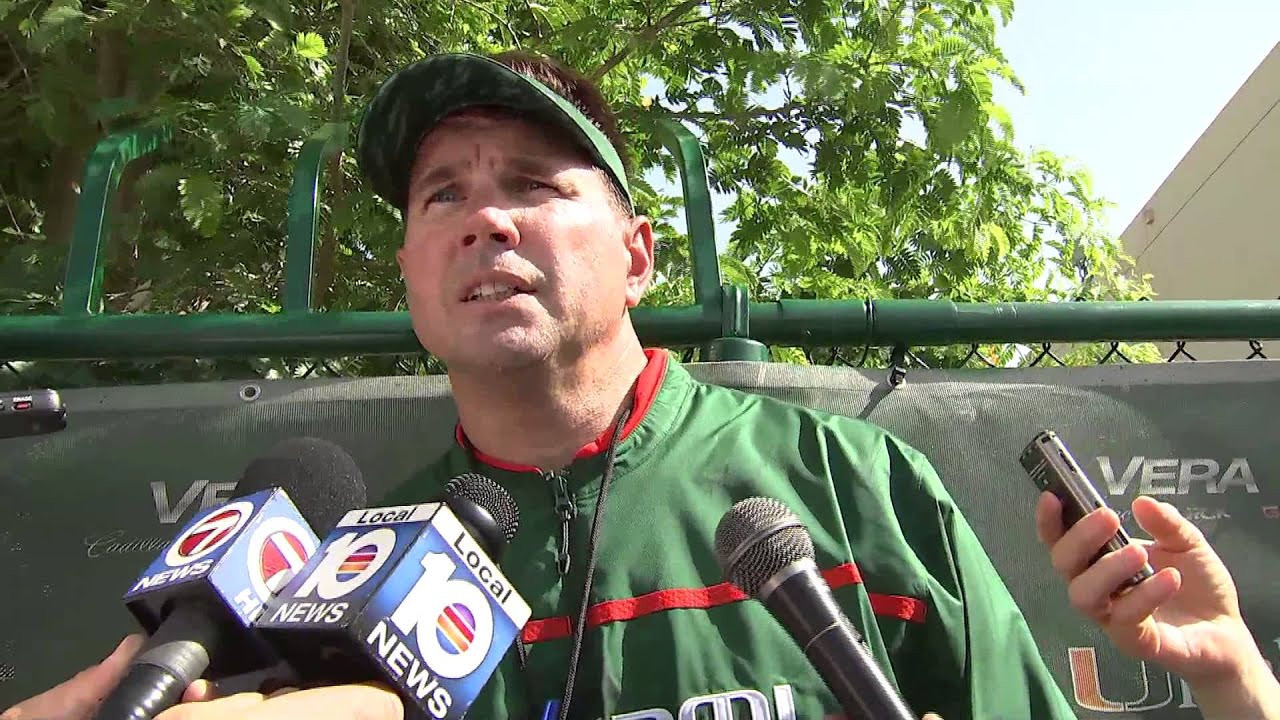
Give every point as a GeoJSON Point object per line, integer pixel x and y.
{"type": "Point", "coordinates": [667, 638]}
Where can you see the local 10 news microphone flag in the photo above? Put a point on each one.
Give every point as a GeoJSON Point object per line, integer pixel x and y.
{"type": "Point", "coordinates": [410, 596]}
{"type": "Point", "coordinates": [197, 600]}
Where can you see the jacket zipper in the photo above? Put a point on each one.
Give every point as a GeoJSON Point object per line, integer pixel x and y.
{"type": "Point", "coordinates": [565, 511]}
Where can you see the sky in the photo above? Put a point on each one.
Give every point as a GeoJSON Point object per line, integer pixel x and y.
{"type": "Point", "coordinates": [1121, 87]}
{"type": "Point", "coordinates": [1126, 87]}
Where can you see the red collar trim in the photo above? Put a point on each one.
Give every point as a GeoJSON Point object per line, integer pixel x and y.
{"type": "Point", "coordinates": [647, 384]}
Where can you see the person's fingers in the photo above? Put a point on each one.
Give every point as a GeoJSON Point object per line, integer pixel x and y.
{"type": "Point", "coordinates": [1049, 518]}
{"type": "Point", "coordinates": [1078, 546]}
{"type": "Point", "coordinates": [238, 705]}
{"type": "Point", "coordinates": [282, 691]}
{"type": "Point", "coordinates": [125, 651]}
{"type": "Point", "coordinates": [1143, 599]}
{"type": "Point", "coordinates": [348, 702]}
{"type": "Point", "coordinates": [1090, 592]}
{"type": "Point", "coordinates": [1166, 525]}
{"type": "Point", "coordinates": [931, 716]}
{"type": "Point", "coordinates": [92, 684]}
{"type": "Point", "coordinates": [200, 691]}
{"type": "Point", "coordinates": [78, 696]}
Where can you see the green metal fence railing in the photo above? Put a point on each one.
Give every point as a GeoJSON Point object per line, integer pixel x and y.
{"type": "Point", "coordinates": [881, 323]}
{"type": "Point", "coordinates": [723, 321]}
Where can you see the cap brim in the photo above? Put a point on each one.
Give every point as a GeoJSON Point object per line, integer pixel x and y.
{"type": "Point", "coordinates": [420, 95]}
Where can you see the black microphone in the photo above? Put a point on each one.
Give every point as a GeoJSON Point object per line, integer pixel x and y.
{"type": "Point", "coordinates": [485, 509]}
{"type": "Point", "coordinates": [198, 599]}
{"type": "Point", "coordinates": [765, 550]}
{"type": "Point", "coordinates": [410, 596]}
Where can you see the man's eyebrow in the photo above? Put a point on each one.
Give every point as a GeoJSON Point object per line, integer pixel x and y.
{"type": "Point", "coordinates": [436, 175]}
{"type": "Point", "coordinates": [533, 164]}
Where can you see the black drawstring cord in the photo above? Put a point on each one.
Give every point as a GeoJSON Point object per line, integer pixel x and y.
{"type": "Point", "coordinates": [580, 628]}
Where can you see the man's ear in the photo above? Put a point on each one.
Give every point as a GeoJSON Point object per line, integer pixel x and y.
{"type": "Point", "coordinates": [640, 250]}
{"type": "Point", "coordinates": [400, 260]}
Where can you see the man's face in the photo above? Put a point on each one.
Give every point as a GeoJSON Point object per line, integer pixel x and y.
{"type": "Point", "coordinates": [514, 252]}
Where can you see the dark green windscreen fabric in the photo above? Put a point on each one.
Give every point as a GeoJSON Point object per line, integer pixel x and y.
{"type": "Point", "coordinates": [83, 510]}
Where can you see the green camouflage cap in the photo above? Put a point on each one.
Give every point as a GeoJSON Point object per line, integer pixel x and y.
{"type": "Point", "coordinates": [417, 97]}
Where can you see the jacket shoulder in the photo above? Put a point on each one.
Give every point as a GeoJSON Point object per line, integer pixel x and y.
{"type": "Point", "coordinates": [778, 413]}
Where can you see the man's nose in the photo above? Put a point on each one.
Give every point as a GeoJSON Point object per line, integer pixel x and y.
{"type": "Point", "coordinates": [493, 224]}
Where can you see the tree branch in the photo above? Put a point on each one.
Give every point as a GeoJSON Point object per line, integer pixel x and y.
{"type": "Point", "coordinates": [327, 257]}
{"type": "Point", "coordinates": [31, 88]}
{"type": "Point", "coordinates": [644, 37]}
{"type": "Point", "coordinates": [736, 117]}
{"type": "Point", "coordinates": [515, 39]}
{"type": "Point", "coordinates": [12, 216]}
{"type": "Point", "coordinates": [12, 74]}
{"type": "Point", "coordinates": [338, 105]}
{"type": "Point", "coordinates": [537, 24]}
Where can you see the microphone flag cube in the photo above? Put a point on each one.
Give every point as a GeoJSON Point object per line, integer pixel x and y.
{"type": "Point", "coordinates": [231, 559]}
{"type": "Point", "coordinates": [403, 595]}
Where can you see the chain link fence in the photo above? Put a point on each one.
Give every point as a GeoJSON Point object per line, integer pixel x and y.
{"type": "Point", "coordinates": [15, 375]}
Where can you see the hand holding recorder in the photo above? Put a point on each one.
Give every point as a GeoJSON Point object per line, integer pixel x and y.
{"type": "Point", "coordinates": [1169, 600]}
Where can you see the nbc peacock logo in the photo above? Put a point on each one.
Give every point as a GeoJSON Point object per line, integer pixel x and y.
{"type": "Point", "coordinates": [456, 628]}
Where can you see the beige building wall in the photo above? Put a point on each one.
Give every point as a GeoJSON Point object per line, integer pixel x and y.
{"type": "Point", "coordinates": [1212, 229]}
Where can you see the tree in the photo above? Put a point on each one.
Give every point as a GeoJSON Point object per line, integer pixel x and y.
{"type": "Point", "coordinates": [916, 188]}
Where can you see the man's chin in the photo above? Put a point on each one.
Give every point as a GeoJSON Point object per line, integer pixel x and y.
{"type": "Point", "coordinates": [499, 354]}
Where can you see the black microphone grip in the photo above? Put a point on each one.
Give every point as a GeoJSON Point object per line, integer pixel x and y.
{"type": "Point", "coordinates": [173, 658]}
{"type": "Point", "coordinates": [803, 603]}
{"type": "Point", "coordinates": [144, 693]}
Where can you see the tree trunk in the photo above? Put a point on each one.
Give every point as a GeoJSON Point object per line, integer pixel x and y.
{"type": "Point", "coordinates": [67, 167]}
{"type": "Point", "coordinates": [63, 190]}
{"type": "Point", "coordinates": [327, 253]}
{"type": "Point", "coordinates": [112, 49]}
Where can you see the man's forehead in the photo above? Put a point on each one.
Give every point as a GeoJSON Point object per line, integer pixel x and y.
{"type": "Point", "coordinates": [486, 139]}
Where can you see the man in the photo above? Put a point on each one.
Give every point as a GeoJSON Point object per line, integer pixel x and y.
{"type": "Point", "coordinates": [522, 258]}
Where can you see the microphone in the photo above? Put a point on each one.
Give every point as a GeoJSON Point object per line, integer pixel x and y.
{"type": "Point", "coordinates": [198, 599]}
{"type": "Point", "coordinates": [410, 596]}
{"type": "Point", "coordinates": [765, 550]}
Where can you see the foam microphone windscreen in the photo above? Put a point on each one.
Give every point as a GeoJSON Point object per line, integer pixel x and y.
{"type": "Point", "coordinates": [294, 465]}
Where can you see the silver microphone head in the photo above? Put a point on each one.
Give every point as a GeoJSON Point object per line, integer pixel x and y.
{"type": "Point", "coordinates": [756, 538]}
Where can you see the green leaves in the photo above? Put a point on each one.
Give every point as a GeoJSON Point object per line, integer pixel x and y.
{"type": "Point", "coordinates": [856, 145]}
{"type": "Point", "coordinates": [58, 21]}
{"type": "Point", "coordinates": [954, 122]}
{"type": "Point", "coordinates": [309, 45]}
{"type": "Point", "coordinates": [202, 203]}
{"type": "Point", "coordinates": [252, 65]}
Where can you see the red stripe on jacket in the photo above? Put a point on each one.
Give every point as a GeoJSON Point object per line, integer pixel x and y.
{"type": "Point", "coordinates": [704, 598]}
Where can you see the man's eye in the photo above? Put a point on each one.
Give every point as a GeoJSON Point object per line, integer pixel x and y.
{"type": "Point", "coordinates": [447, 194]}
{"type": "Point", "coordinates": [531, 184]}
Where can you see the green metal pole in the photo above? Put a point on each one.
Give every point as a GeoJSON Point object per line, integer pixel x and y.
{"type": "Point", "coordinates": [304, 213]}
{"type": "Point", "coordinates": [330, 334]}
{"type": "Point", "coordinates": [735, 341]}
{"type": "Point", "coordinates": [941, 322]}
{"type": "Point", "coordinates": [910, 323]}
{"type": "Point", "coordinates": [697, 209]}
{"type": "Point", "coordinates": [82, 286]}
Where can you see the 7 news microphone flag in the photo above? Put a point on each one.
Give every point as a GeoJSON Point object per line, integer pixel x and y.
{"type": "Point", "coordinates": [197, 600]}
{"type": "Point", "coordinates": [403, 595]}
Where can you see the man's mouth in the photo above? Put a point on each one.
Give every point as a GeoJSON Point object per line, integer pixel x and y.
{"type": "Point", "coordinates": [495, 291]}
